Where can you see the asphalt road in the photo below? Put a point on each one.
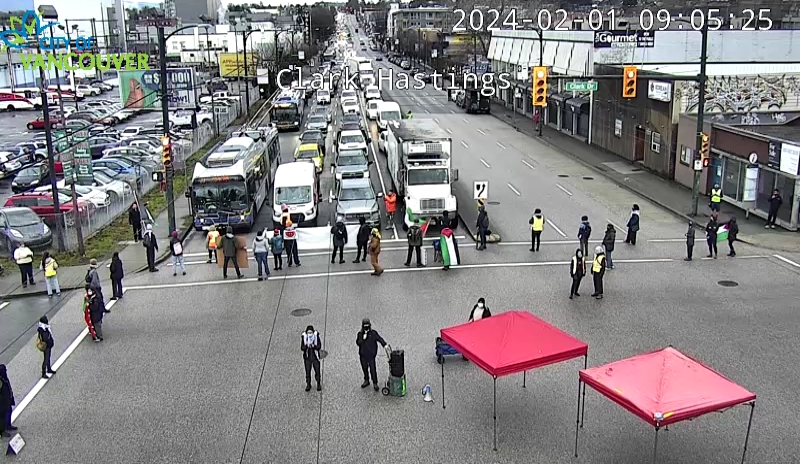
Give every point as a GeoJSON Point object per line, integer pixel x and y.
{"type": "Point", "coordinates": [18, 319]}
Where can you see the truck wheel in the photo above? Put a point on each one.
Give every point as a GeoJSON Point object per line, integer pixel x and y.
{"type": "Point", "coordinates": [454, 222]}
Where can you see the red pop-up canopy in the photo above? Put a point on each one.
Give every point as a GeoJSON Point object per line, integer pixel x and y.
{"type": "Point", "coordinates": [511, 342]}
{"type": "Point", "coordinates": [664, 387]}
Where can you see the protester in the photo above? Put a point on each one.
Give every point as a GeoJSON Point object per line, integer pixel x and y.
{"type": "Point", "coordinates": [689, 241]}
{"type": "Point", "coordinates": [261, 252]}
{"type": "Point", "coordinates": [135, 221]}
{"type": "Point", "coordinates": [176, 249]}
{"type": "Point", "coordinates": [375, 251]}
{"type": "Point", "coordinates": [367, 341]}
{"type": "Point", "coordinates": [23, 256]}
{"type": "Point", "coordinates": [390, 200]}
{"type": "Point", "coordinates": [93, 314]}
{"type": "Point", "coordinates": [310, 344]}
{"type": "Point", "coordinates": [584, 233]}
{"type": "Point", "coordinates": [733, 232]}
{"type": "Point", "coordinates": [775, 202]}
{"type": "Point", "coordinates": [286, 217]}
{"type": "Point", "coordinates": [276, 247]}
{"type": "Point", "coordinates": [362, 240]}
{"type": "Point", "coordinates": [50, 268]}
{"type": "Point", "coordinates": [577, 270]}
{"type": "Point", "coordinates": [117, 273]}
{"type": "Point", "coordinates": [151, 245]}
{"type": "Point", "coordinates": [479, 311]}
{"type": "Point", "coordinates": [229, 248]}
{"type": "Point", "coordinates": [633, 225]}
{"type": "Point", "coordinates": [598, 272]}
{"type": "Point", "coordinates": [7, 402]}
{"type": "Point", "coordinates": [212, 237]}
{"type": "Point", "coordinates": [608, 244]}
{"type": "Point", "coordinates": [290, 243]}
{"type": "Point", "coordinates": [93, 279]}
{"type": "Point", "coordinates": [537, 226]}
{"type": "Point", "coordinates": [448, 246]}
{"type": "Point", "coordinates": [711, 237]}
{"type": "Point", "coordinates": [45, 335]}
{"type": "Point", "coordinates": [414, 237]}
{"type": "Point", "coordinates": [339, 233]}
{"type": "Point", "coordinates": [482, 224]}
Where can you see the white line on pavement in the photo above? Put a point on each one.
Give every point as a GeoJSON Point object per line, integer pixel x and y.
{"type": "Point", "coordinates": [662, 240]}
{"type": "Point", "coordinates": [568, 242]}
{"type": "Point", "coordinates": [465, 120]}
{"type": "Point", "coordinates": [528, 164]}
{"type": "Point", "coordinates": [452, 112]}
{"type": "Point", "coordinates": [436, 120]}
{"type": "Point", "coordinates": [301, 255]}
{"type": "Point", "coordinates": [555, 227]}
{"type": "Point", "coordinates": [482, 132]}
{"type": "Point", "coordinates": [616, 226]}
{"type": "Point", "coordinates": [485, 163]}
{"type": "Point", "coordinates": [564, 190]}
{"type": "Point", "coordinates": [428, 112]}
{"type": "Point", "coordinates": [514, 190]}
{"type": "Point", "coordinates": [4, 304]}
{"type": "Point", "coordinates": [501, 145]}
{"type": "Point", "coordinates": [464, 144]}
{"type": "Point", "coordinates": [787, 261]}
{"type": "Point", "coordinates": [449, 131]}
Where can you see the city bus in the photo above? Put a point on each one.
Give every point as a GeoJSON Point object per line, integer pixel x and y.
{"type": "Point", "coordinates": [229, 185]}
{"type": "Point", "coordinates": [287, 111]}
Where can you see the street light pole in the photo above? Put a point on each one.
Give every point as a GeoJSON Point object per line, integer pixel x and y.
{"type": "Point", "coordinates": [701, 97]}
{"type": "Point", "coordinates": [168, 170]}
{"type": "Point", "coordinates": [213, 110]}
{"type": "Point", "coordinates": [245, 34]}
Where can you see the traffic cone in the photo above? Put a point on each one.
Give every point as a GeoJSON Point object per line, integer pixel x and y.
{"type": "Point", "coordinates": [426, 394]}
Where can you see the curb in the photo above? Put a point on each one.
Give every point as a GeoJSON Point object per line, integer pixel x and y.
{"type": "Point", "coordinates": [16, 296]}
{"type": "Point", "coordinates": [164, 256]}
{"type": "Point", "coordinates": [491, 238]}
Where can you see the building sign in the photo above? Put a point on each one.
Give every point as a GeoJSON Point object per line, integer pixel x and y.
{"type": "Point", "coordinates": [142, 89]}
{"type": "Point", "coordinates": [232, 64]}
{"type": "Point", "coordinates": [790, 158]}
{"type": "Point", "coordinates": [774, 155]}
{"type": "Point", "coordinates": [83, 167]}
{"type": "Point", "coordinates": [658, 90]}
{"type": "Point", "coordinates": [624, 39]}
{"type": "Point", "coordinates": [618, 127]}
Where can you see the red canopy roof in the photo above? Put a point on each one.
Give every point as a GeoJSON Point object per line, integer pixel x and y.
{"type": "Point", "coordinates": [512, 342]}
{"type": "Point", "coordinates": [666, 383]}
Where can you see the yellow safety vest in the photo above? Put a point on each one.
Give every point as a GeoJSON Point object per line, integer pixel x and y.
{"type": "Point", "coordinates": [597, 264]}
{"type": "Point", "coordinates": [212, 239]}
{"type": "Point", "coordinates": [50, 268]}
{"type": "Point", "coordinates": [538, 224]}
{"type": "Point", "coordinates": [716, 195]}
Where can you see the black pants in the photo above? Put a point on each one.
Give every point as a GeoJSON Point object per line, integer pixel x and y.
{"type": "Point", "coordinates": [46, 361]}
{"type": "Point", "coordinates": [277, 259]}
{"type": "Point", "coordinates": [584, 247]}
{"type": "Point", "coordinates": [411, 250]}
{"type": "Point", "coordinates": [689, 251]}
{"type": "Point", "coordinates": [212, 254]}
{"type": "Point", "coordinates": [151, 258]}
{"type": "Point", "coordinates": [116, 288]}
{"type": "Point", "coordinates": [730, 246]}
{"type": "Point", "coordinates": [771, 217]}
{"type": "Point", "coordinates": [482, 237]}
{"type": "Point", "coordinates": [598, 284]}
{"type": "Point", "coordinates": [27, 272]}
{"type": "Point", "coordinates": [137, 232]}
{"type": "Point", "coordinates": [361, 247]}
{"type": "Point", "coordinates": [631, 238]}
{"type": "Point", "coordinates": [576, 285]}
{"type": "Point", "coordinates": [292, 253]}
{"type": "Point", "coordinates": [340, 250]}
{"type": "Point", "coordinates": [712, 246]}
{"type": "Point", "coordinates": [536, 239]}
{"type": "Point", "coordinates": [311, 362]}
{"type": "Point", "coordinates": [230, 259]}
{"type": "Point", "coordinates": [5, 418]}
{"type": "Point", "coordinates": [368, 367]}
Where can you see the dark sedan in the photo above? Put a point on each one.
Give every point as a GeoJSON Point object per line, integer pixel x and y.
{"type": "Point", "coordinates": [30, 178]}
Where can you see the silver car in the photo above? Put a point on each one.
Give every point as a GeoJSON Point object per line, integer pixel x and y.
{"type": "Point", "coordinates": [317, 122]}
{"type": "Point", "coordinates": [355, 198]}
{"type": "Point", "coordinates": [351, 164]}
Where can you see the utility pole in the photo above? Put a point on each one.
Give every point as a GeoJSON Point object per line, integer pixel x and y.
{"type": "Point", "coordinates": [168, 170]}
{"type": "Point", "coordinates": [245, 35]}
{"type": "Point", "coordinates": [701, 97]}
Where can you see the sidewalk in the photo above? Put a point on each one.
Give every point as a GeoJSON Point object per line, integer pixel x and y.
{"type": "Point", "coordinates": [669, 195]}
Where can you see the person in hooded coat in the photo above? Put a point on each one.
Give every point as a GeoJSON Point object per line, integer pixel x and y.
{"type": "Point", "coordinates": [310, 344]}
{"type": "Point", "coordinates": [261, 252]}
{"type": "Point", "coordinates": [690, 233]}
{"type": "Point", "coordinates": [45, 335]}
{"type": "Point", "coordinates": [229, 253]}
{"type": "Point", "coordinates": [176, 250]}
{"type": "Point", "coordinates": [598, 271]}
{"type": "Point", "coordinates": [93, 311]}
{"type": "Point", "coordinates": [577, 269]}
{"type": "Point", "coordinates": [362, 240]}
{"type": "Point", "coordinates": [367, 341]}
{"type": "Point", "coordinates": [93, 279]}
{"type": "Point", "coordinates": [117, 273]}
{"type": "Point", "coordinates": [339, 233]}
{"type": "Point", "coordinates": [448, 246]}
{"type": "Point", "coordinates": [733, 231]}
{"type": "Point", "coordinates": [608, 244]}
{"type": "Point", "coordinates": [633, 225]}
{"type": "Point", "coordinates": [479, 311]}
{"type": "Point", "coordinates": [711, 237]}
{"type": "Point", "coordinates": [135, 221]}
{"type": "Point", "coordinates": [482, 225]}
{"type": "Point", "coordinates": [7, 402]}
{"type": "Point", "coordinates": [151, 246]}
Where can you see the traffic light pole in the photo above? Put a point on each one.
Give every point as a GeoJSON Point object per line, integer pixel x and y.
{"type": "Point", "coordinates": [168, 170]}
{"type": "Point", "coordinates": [701, 98]}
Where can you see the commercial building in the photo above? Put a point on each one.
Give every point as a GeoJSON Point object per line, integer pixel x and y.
{"type": "Point", "coordinates": [401, 19]}
{"type": "Point", "coordinates": [189, 11]}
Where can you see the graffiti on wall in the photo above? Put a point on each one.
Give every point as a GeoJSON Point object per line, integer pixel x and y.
{"type": "Point", "coordinates": [755, 119]}
{"type": "Point", "coordinates": [744, 94]}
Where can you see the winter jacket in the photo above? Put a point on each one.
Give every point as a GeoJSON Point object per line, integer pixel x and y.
{"type": "Point", "coordinates": [633, 221]}
{"type": "Point", "coordinates": [375, 246]}
{"type": "Point", "coordinates": [260, 244]}
{"type": "Point", "coordinates": [150, 237]}
{"type": "Point", "coordinates": [116, 268]}
{"type": "Point", "coordinates": [775, 202]}
{"type": "Point", "coordinates": [484, 313]}
{"type": "Point", "coordinates": [690, 236]}
{"type": "Point", "coordinates": [135, 217]}
{"type": "Point", "coordinates": [50, 267]}
{"type": "Point", "coordinates": [584, 231]}
{"type": "Point", "coordinates": [93, 278]}
{"type": "Point", "coordinates": [173, 249]}
{"type": "Point", "coordinates": [363, 235]}
{"type": "Point", "coordinates": [577, 267]}
{"type": "Point", "coordinates": [609, 238]}
{"type": "Point", "coordinates": [368, 346]}
{"type": "Point", "coordinates": [289, 234]}
{"type": "Point", "coordinates": [711, 230]}
{"type": "Point", "coordinates": [229, 245]}
{"type": "Point", "coordinates": [96, 309]}
{"type": "Point", "coordinates": [46, 336]}
{"type": "Point", "coordinates": [733, 229]}
{"type": "Point", "coordinates": [314, 349]}
{"type": "Point", "coordinates": [23, 255]}
{"type": "Point", "coordinates": [339, 232]}
{"type": "Point", "coordinates": [276, 244]}
{"type": "Point", "coordinates": [6, 392]}
{"type": "Point", "coordinates": [483, 220]}
{"type": "Point", "coordinates": [603, 263]}
{"type": "Point", "coordinates": [414, 236]}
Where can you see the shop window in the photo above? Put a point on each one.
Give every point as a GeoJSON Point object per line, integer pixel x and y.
{"type": "Point", "coordinates": [733, 179]}
{"type": "Point", "coordinates": [655, 142]}
{"type": "Point", "coordinates": [786, 185]}
{"type": "Point", "coordinates": [686, 155]}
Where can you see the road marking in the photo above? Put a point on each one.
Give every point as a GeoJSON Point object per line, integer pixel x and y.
{"type": "Point", "coordinates": [514, 190]}
{"type": "Point", "coordinates": [547, 242]}
{"type": "Point", "coordinates": [616, 226]}
{"type": "Point", "coordinates": [436, 120]}
{"type": "Point", "coordinates": [449, 131]}
{"type": "Point", "coordinates": [378, 168]}
{"type": "Point", "coordinates": [485, 163]}
{"type": "Point", "coordinates": [501, 145]}
{"type": "Point", "coordinates": [428, 112]}
{"type": "Point", "coordinates": [452, 112]}
{"type": "Point", "coordinates": [555, 227]}
{"type": "Point", "coordinates": [465, 120]}
{"type": "Point", "coordinates": [662, 240]}
{"type": "Point", "coordinates": [4, 304]}
{"type": "Point", "coordinates": [564, 190]}
{"type": "Point", "coordinates": [464, 144]}
{"type": "Point", "coordinates": [482, 132]}
{"type": "Point", "coordinates": [528, 164]}
{"type": "Point", "coordinates": [787, 261]}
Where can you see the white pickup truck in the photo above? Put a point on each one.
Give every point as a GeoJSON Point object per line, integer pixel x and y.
{"type": "Point", "coordinates": [218, 95]}
{"type": "Point", "coordinates": [184, 117]}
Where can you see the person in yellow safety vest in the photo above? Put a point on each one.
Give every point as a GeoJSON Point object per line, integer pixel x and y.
{"type": "Point", "coordinates": [716, 198]}
{"type": "Point", "coordinates": [537, 226]}
{"type": "Point", "coordinates": [409, 116]}
{"type": "Point", "coordinates": [598, 271]}
{"type": "Point", "coordinates": [211, 243]}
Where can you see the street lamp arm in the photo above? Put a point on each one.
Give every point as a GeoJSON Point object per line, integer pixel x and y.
{"type": "Point", "coordinates": [185, 28]}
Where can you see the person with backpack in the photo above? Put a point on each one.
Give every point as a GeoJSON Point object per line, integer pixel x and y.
{"type": "Point", "coordinates": [339, 233]}
{"type": "Point", "coordinates": [176, 249]}
{"type": "Point", "coordinates": [362, 240]}
{"type": "Point", "coordinates": [150, 244]}
{"type": "Point", "coordinates": [414, 243]}
{"type": "Point", "coordinates": [50, 268]}
{"type": "Point", "coordinates": [261, 251]}
{"type": "Point", "coordinates": [584, 233]}
{"type": "Point", "coordinates": [276, 247]}
{"type": "Point", "coordinates": [45, 344]}
{"type": "Point", "coordinates": [577, 270]}
{"type": "Point", "coordinates": [229, 248]}
{"type": "Point", "coordinates": [117, 273]}
{"type": "Point", "coordinates": [633, 225]}
{"type": "Point", "coordinates": [93, 281]}
{"type": "Point", "coordinates": [482, 225]}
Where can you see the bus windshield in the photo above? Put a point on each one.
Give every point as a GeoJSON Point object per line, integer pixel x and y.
{"type": "Point", "coordinates": [222, 196]}
{"type": "Point", "coordinates": [284, 114]}
{"type": "Point", "coordinates": [293, 195]}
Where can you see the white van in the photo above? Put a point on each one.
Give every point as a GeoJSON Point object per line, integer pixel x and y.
{"type": "Point", "coordinates": [296, 187]}
{"type": "Point", "coordinates": [388, 111]}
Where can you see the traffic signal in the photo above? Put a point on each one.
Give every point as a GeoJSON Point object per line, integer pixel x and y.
{"type": "Point", "coordinates": [540, 86]}
{"type": "Point", "coordinates": [705, 148]}
{"type": "Point", "coordinates": [166, 151]}
{"type": "Point", "coordinates": [629, 82]}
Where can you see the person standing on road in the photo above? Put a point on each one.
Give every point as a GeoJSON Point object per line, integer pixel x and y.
{"type": "Point", "coordinates": [276, 247]}
{"type": "Point", "coordinates": [608, 244]}
{"type": "Point", "coordinates": [537, 226]}
{"type": "Point", "coordinates": [176, 249]}
{"type": "Point", "coordinates": [362, 240]}
{"type": "Point", "coordinates": [261, 252]}
{"type": "Point", "coordinates": [584, 233]}
{"type": "Point", "coordinates": [775, 202]}
{"type": "Point", "coordinates": [229, 248]}
{"type": "Point", "coordinates": [45, 335]}
{"type": "Point", "coordinates": [711, 237]}
{"type": "Point", "coordinates": [375, 251]}
{"type": "Point", "coordinates": [7, 403]}
{"type": "Point", "coordinates": [135, 221]}
{"type": "Point", "coordinates": [598, 272]}
{"type": "Point", "coordinates": [50, 268]}
{"type": "Point", "coordinates": [633, 225]}
{"type": "Point", "coordinates": [409, 115]}
{"type": "Point", "coordinates": [482, 224]}
{"type": "Point", "coordinates": [93, 313]}
{"type": "Point", "coordinates": [689, 241]}
{"type": "Point", "coordinates": [577, 269]}
{"type": "Point", "coordinates": [212, 237]}
{"type": "Point", "coordinates": [733, 232]}
{"type": "Point", "coordinates": [23, 256]}
{"type": "Point", "coordinates": [150, 244]}
{"type": "Point", "coordinates": [479, 311]}
{"type": "Point", "coordinates": [716, 198]}
{"type": "Point", "coordinates": [290, 243]}
{"type": "Point", "coordinates": [117, 273]}
{"type": "Point", "coordinates": [310, 345]}
{"type": "Point", "coordinates": [367, 341]}
{"type": "Point", "coordinates": [390, 200]}
{"type": "Point", "coordinates": [93, 280]}
{"type": "Point", "coordinates": [339, 233]}
{"type": "Point", "coordinates": [414, 237]}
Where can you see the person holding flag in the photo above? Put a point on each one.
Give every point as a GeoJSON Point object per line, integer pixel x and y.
{"type": "Point", "coordinates": [391, 207]}
{"type": "Point", "coordinates": [728, 232]}
{"type": "Point", "coordinates": [449, 249]}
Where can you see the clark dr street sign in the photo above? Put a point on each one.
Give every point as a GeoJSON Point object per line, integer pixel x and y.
{"type": "Point", "coordinates": [581, 86]}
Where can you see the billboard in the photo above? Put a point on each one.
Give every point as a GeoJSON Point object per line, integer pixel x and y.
{"type": "Point", "coordinates": [232, 64]}
{"type": "Point", "coordinates": [142, 89]}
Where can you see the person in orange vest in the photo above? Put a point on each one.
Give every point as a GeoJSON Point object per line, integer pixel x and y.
{"type": "Point", "coordinates": [285, 216]}
{"type": "Point", "coordinates": [211, 243]}
{"type": "Point", "coordinates": [391, 206]}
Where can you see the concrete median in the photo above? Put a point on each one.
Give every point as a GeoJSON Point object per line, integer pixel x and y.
{"type": "Point", "coordinates": [468, 213]}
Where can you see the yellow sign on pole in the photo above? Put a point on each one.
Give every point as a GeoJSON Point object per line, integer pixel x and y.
{"type": "Point", "coordinates": [232, 65]}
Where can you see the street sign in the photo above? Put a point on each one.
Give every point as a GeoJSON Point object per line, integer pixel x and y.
{"type": "Point", "coordinates": [581, 86]}
{"type": "Point", "coordinates": [83, 166]}
{"type": "Point", "coordinates": [753, 158]}
{"type": "Point", "coordinates": [480, 189]}
{"type": "Point", "coordinates": [698, 165]}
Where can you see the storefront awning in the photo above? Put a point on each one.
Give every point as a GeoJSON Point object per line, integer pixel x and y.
{"type": "Point", "coordinates": [578, 103]}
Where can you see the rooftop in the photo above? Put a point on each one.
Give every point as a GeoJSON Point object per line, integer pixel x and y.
{"type": "Point", "coordinates": [787, 133]}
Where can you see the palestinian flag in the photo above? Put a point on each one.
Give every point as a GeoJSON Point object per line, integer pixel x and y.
{"type": "Point", "coordinates": [423, 227]}
{"type": "Point", "coordinates": [449, 247]}
{"type": "Point", "coordinates": [722, 233]}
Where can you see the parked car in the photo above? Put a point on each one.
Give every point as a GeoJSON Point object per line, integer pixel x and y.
{"type": "Point", "coordinates": [98, 145]}
{"type": "Point", "coordinates": [120, 166]}
{"type": "Point", "coordinates": [89, 194]}
{"type": "Point", "coordinates": [22, 225]}
{"type": "Point", "coordinates": [145, 144]}
{"type": "Point", "coordinates": [9, 164]}
{"type": "Point", "coordinates": [87, 89]}
{"type": "Point", "coordinates": [42, 204]}
{"type": "Point", "coordinates": [131, 131]}
{"type": "Point", "coordinates": [30, 178]}
{"type": "Point", "coordinates": [132, 180]}
{"type": "Point", "coordinates": [38, 123]}
{"type": "Point", "coordinates": [105, 87]}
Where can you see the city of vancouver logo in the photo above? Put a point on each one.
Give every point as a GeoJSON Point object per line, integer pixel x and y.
{"type": "Point", "coordinates": [30, 25]}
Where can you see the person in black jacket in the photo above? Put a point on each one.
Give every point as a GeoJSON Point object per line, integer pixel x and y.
{"type": "Point", "coordinates": [339, 232]}
{"type": "Point", "coordinates": [482, 224]}
{"type": "Point", "coordinates": [117, 273]}
{"type": "Point", "coordinates": [479, 311]}
{"type": "Point", "coordinates": [310, 344]}
{"type": "Point", "coordinates": [608, 243]}
{"type": "Point", "coordinates": [711, 237]}
{"type": "Point", "coordinates": [135, 220]}
{"type": "Point", "coordinates": [362, 240]}
{"type": "Point", "coordinates": [775, 202]}
{"type": "Point", "coordinates": [96, 312]}
{"type": "Point", "coordinates": [151, 246]}
{"type": "Point", "coordinates": [733, 231]}
{"type": "Point", "coordinates": [7, 401]}
{"type": "Point", "coordinates": [414, 237]}
{"type": "Point", "coordinates": [689, 241]}
{"type": "Point", "coordinates": [577, 270]}
{"type": "Point", "coordinates": [45, 335]}
{"type": "Point", "coordinates": [367, 341]}
{"type": "Point", "coordinates": [633, 225]}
